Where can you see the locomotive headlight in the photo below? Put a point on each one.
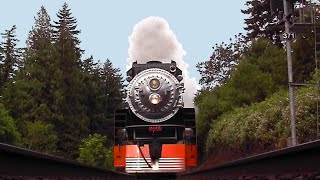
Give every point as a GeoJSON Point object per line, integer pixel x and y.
{"type": "Point", "coordinates": [154, 84]}
{"type": "Point", "coordinates": [154, 98]}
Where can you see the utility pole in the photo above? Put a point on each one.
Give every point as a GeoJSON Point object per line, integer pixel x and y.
{"type": "Point", "coordinates": [287, 17]}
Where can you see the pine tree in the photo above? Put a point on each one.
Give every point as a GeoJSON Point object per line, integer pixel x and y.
{"type": "Point", "coordinates": [113, 92]}
{"type": "Point", "coordinates": [65, 32]}
{"type": "Point", "coordinates": [70, 101]}
{"type": "Point", "coordinates": [105, 92]}
{"type": "Point", "coordinates": [113, 85]}
{"type": "Point", "coordinates": [95, 98]}
{"type": "Point", "coordinates": [262, 23]}
{"type": "Point", "coordinates": [11, 58]}
{"type": "Point", "coordinates": [30, 98]}
{"type": "Point", "coordinates": [41, 34]}
{"type": "Point", "coordinates": [1, 54]}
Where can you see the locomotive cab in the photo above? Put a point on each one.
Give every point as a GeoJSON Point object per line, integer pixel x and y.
{"type": "Point", "coordinates": [155, 133]}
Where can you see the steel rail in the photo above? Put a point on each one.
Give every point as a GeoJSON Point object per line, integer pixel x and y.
{"type": "Point", "coordinates": [19, 162]}
{"type": "Point", "coordinates": [303, 159]}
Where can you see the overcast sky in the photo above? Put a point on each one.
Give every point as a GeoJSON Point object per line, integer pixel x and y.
{"type": "Point", "coordinates": [106, 25]}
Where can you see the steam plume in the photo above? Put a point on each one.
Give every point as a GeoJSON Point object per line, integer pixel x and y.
{"type": "Point", "coordinates": [153, 40]}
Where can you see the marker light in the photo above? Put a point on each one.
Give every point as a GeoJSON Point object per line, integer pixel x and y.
{"type": "Point", "coordinates": [154, 98]}
{"type": "Point", "coordinates": [155, 128]}
{"type": "Point", "coordinates": [154, 84]}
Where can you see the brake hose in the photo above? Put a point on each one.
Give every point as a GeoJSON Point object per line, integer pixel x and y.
{"type": "Point", "coordinates": [144, 157]}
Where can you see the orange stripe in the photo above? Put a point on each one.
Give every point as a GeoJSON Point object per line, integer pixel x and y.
{"type": "Point", "coordinates": [189, 152]}
{"type": "Point", "coordinates": [119, 156]}
{"type": "Point", "coordinates": [133, 151]}
{"type": "Point", "coordinates": [191, 155]}
{"type": "Point", "coordinates": [173, 151]}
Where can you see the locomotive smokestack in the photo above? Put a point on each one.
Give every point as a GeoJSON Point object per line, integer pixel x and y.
{"type": "Point", "coordinates": [153, 40]}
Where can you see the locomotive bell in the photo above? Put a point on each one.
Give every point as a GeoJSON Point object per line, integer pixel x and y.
{"type": "Point", "coordinates": [154, 95]}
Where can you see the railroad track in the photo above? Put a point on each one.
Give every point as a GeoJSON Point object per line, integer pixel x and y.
{"type": "Point", "coordinates": [25, 164]}
{"type": "Point", "coordinates": [299, 162]}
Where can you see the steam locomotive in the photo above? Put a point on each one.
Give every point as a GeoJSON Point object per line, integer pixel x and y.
{"type": "Point", "coordinates": [155, 134]}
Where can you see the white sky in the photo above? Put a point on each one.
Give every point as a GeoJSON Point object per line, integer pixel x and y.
{"type": "Point", "coordinates": [105, 25]}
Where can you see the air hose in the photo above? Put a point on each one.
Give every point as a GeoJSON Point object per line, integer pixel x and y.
{"type": "Point", "coordinates": [144, 157]}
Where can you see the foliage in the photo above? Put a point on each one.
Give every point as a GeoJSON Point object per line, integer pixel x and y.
{"type": "Point", "coordinates": [54, 93]}
{"type": "Point", "coordinates": [69, 102]}
{"type": "Point", "coordinates": [10, 58]}
{"type": "Point", "coordinates": [53, 96]}
{"type": "Point", "coordinates": [65, 32]}
{"type": "Point", "coordinates": [113, 83]}
{"type": "Point", "coordinates": [303, 57]}
{"type": "Point", "coordinates": [262, 23]}
{"type": "Point", "coordinates": [29, 96]}
{"type": "Point", "coordinates": [41, 33]}
{"type": "Point", "coordinates": [40, 137]}
{"type": "Point", "coordinates": [105, 95]}
{"type": "Point", "coordinates": [217, 69]}
{"type": "Point", "coordinates": [93, 152]}
{"type": "Point", "coordinates": [261, 72]}
{"type": "Point", "coordinates": [265, 125]}
{"type": "Point", "coordinates": [8, 131]}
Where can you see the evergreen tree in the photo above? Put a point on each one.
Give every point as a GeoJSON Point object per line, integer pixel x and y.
{"type": "Point", "coordinates": [41, 34]}
{"type": "Point", "coordinates": [105, 93]}
{"type": "Point", "coordinates": [96, 99]}
{"type": "Point", "coordinates": [1, 56]}
{"type": "Point", "coordinates": [70, 102]}
{"type": "Point", "coordinates": [11, 58]}
{"type": "Point", "coordinates": [90, 67]}
{"type": "Point", "coordinates": [30, 97]}
{"type": "Point", "coordinates": [65, 33]}
{"type": "Point", "coordinates": [261, 23]}
{"type": "Point", "coordinates": [113, 93]}
{"type": "Point", "coordinates": [113, 85]}
{"type": "Point", "coordinates": [303, 60]}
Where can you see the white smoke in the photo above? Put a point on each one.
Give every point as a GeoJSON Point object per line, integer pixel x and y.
{"type": "Point", "coordinates": [153, 40]}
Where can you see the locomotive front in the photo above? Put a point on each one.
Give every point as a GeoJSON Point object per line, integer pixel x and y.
{"type": "Point", "coordinates": [155, 95]}
{"type": "Point", "coordinates": [155, 134]}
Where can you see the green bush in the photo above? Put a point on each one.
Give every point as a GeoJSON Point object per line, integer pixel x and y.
{"type": "Point", "coordinates": [94, 152]}
{"type": "Point", "coordinates": [260, 73]}
{"type": "Point", "coordinates": [8, 131]}
{"type": "Point", "coordinates": [40, 136]}
{"type": "Point", "coordinates": [265, 125]}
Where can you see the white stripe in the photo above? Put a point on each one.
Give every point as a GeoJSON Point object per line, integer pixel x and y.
{"type": "Point", "coordinates": [138, 165]}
